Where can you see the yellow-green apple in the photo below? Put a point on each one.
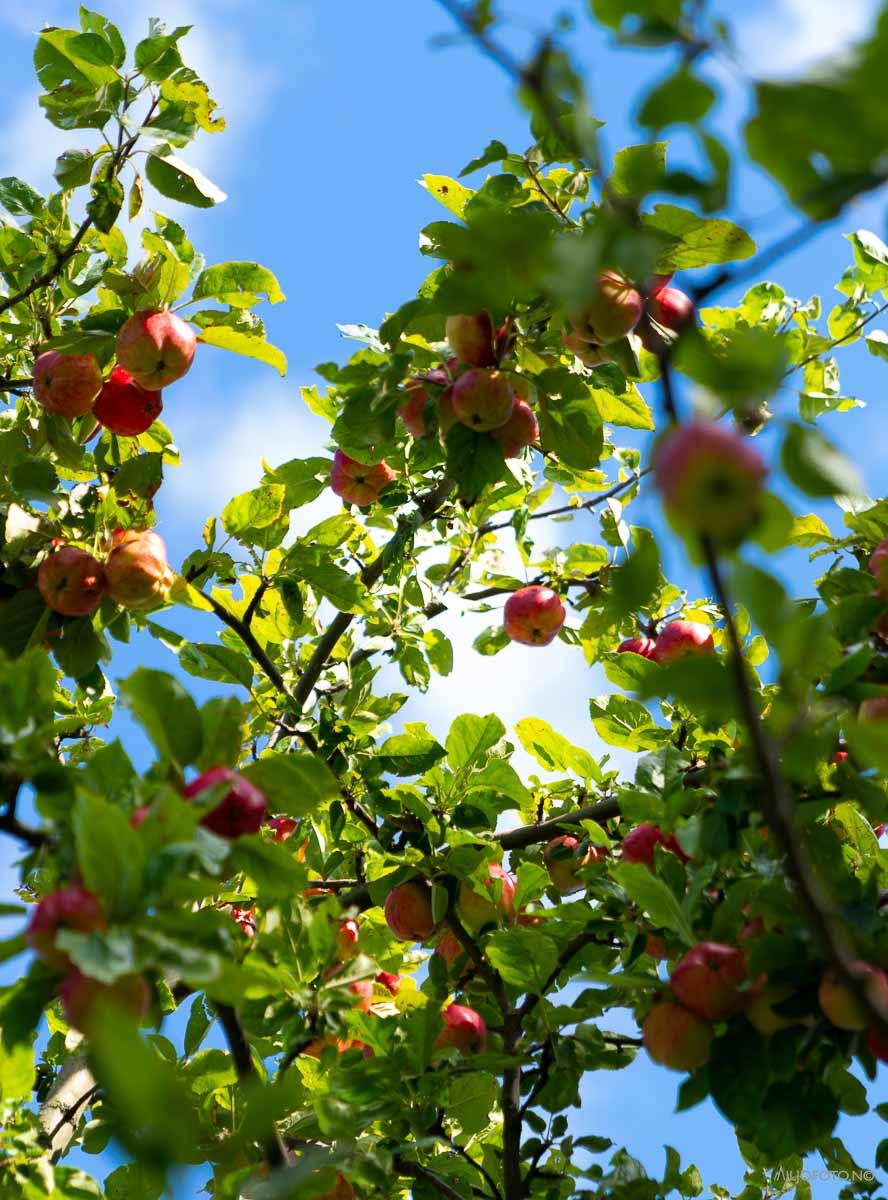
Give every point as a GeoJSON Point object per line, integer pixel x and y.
{"type": "Point", "coordinates": [242, 809]}
{"type": "Point", "coordinates": [347, 939]}
{"type": "Point", "coordinates": [711, 480]}
{"type": "Point", "coordinates": [408, 911]}
{"type": "Point", "coordinates": [878, 564]}
{"type": "Point", "coordinates": [680, 638]}
{"type": "Point", "coordinates": [589, 353]}
{"type": "Point", "coordinates": [475, 910]}
{"type": "Point", "coordinates": [842, 1007]}
{"type": "Point", "coordinates": [644, 646]}
{"type": "Point", "coordinates": [675, 1037]}
{"type": "Point", "coordinates": [482, 399]}
{"type": "Point", "coordinates": [356, 482]}
{"type": "Point", "coordinates": [638, 845]}
{"type": "Point", "coordinates": [877, 1043]}
{"type": "Point", "coordinates": [138, 574]}
{"type": "Point", "coordinates": [612, 311]}
{"type": "Point", "coordinates": [708, 980]}
{"type": "Point", "coordinates": [156, 347]}
{"type": "Point", "coordinates": [66, 384]}
{"type": "Point", "coordinates": [71, 582]}
{"type": "Point", "coordinates": [471, 339]}
{"type": "Point", "coordinates": [565, 857]}
{"type": "Point", "coordinates": [760, 1009]}
{"type": "Point", "coordinates": [519, 431]}
{"type": "Point", "coordinates": [124, 407]}
{"type": "Point", "coordinates": [87, 1002]}
{"type": "Point", "coordinates": [72, 907]}
{"type": "Point", "coordinates": [464, 1030]}
{"type": "Point", "coordinates": [533, 615]}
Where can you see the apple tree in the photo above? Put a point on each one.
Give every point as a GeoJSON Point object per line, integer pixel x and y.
{"type": "Point", "coordinates": [412, 954]}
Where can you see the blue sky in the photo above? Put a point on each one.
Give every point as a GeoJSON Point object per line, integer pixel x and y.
{"type": "Point", "coordinates": [335, 110]}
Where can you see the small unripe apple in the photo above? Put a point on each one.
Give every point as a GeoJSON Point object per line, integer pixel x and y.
{"type": "Point", "coordinates": [565, 857]}
{"type": "Point", "coordinates": [840, 1005]}
{"type": "Point", "coordinates": [475, 911]}
{"type": "Point", "coordinates": [156, 347]}
{"type": "Point", "coordinates": [873, 710]}
{"type": "Point", "coordinates": [676, 1038]}
{"type": "Point", "coordinates": [413, 412]}
{"type": "Point", "coordinates": [878, 565]}
{"type": "Point", "coordinates": [483, 399]}
{"type": "Point", "coordinates": [347, 939]}
{"type": "Point", "coordinates": [282, 827]}
{"type": "Point", "coordinates": [589, 353]}
{"type": "Point", "coordinates": [708, 978]}
{"type": "Point", "coordinates": [124, 407]}
{"type": "Point", "coordinates": [760, 1010]}
{"type": "Point", "coordinates": [391, 982]}
{"type": "Point", "coordinates": [72, 907]}
{"type": "Point", "coordinates": [408, 911]}
{"type": "Point", "coordinates": [711, 480]}
{"type": "Point", "coordinates": [638, 845]}
{"type": "Point", "coordinates": [877, 1043]}
{"type": "Point", "coordinates": [359, 483]}
{"type": "Point", "coordinates": [244, 918]}
{"type": "Point", "coordinates": [87, 1002]}
{"type": "Point", "coordinates": [139, 576]}
{"type": "Point", "coordinates": [671, 308]}
{"type": "Point", "coordinates": [464, 1030]}
{"type": "Point", "coordinates": [613, 310]}
{"type": "Point", "coordinates": [242, 809]}
{"type": "Point", "coordinates": [71, 582]}
{"type": "Point", "coordinates": [521, 430]}
{"type": "Point", "coordinates": [644, 646]}
{"type": "Point", "coordinates": [66, 384]}
{"type": "Point", "coordinates": [450, 949]}
{"type": "Point", "coordinates": [533, 616]}
{"type": "Point", "coordinates": [472, 339]}
{"type": "Point", "coordinates": [680, 638]}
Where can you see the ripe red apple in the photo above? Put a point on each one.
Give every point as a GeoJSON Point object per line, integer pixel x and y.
{"type": "Point", "coordinates": [475, 911]}
{"type": "Point", "coordinates": [464, 1030]}
{"type": "Point", "coordinates": [671, 308]}
{"type": "Point", "coordinates": [873, 710]}
{"type": "Point", "coordinates": [707, 980]}
{"type": "Point", "coordinates": [139, 576]}
{"type": "Point", "coordinates": [347, 939]}
{"type": "Point", "coordinates": [589, 353]}
{"type": "Point", "coordinates": [71, 582]}
{"type": "Point", "coordinates": [125, 408]}
{"type": "Point", "coordinates": [244, 918]}
{"type": "Point", "coordinates": [140, 815]}
{"type": "Point", "coordinates": [454, 956]}
{"type": "Point", "coordinates": [840, 1005]}
{"type": "Point", "coordinates": [638, 844]}
{"type": "Point", "coordinates": [711, 480]}
{"type": "Point", "coordinates": [521, 430]}
{"type": "Point", "coordinates": [359, 483]}
{"type": "Point", "coordinates": [472, 339]}
{"type": "Point", "coordinates": [389, 981]}
{"type": "Point", "coordinates": [676, 1038]}
{"type": "Point", "coordinates": [877, 1043]}
{"type": "Point", "coordinates": [242, 808]}
{"type": "Point", "coordinates": [283, 827]}
{"type": "Point", "coordinates": [878, 564]}
{"type": "Point", "coordinates": [408, 911]}
{"type": "Point", "coordinates": [658, 282]}
{"type": "Point", "coordinates": [564, 857]}
{"type": "Point", "coordinates": [644, 646]}
{"type": "Point", "coordinates": [86, 1001]}
{"type": "Point", "coordinates": [533, 615]}
{"type": "Point", "coordinates": [66, 384]}
{"type": "Point", "coordinates": [413, 412]}
{"type": "Point", "coordinates": [613, 310]}
{"type": "Point", "coordinates": [156, 347]}
{"type": "Point", "coordinates": [71, 907]}
{"type": "Point", "coordinates": [680, 638]}
{"type": "Point", "coordinates": [482, 399]}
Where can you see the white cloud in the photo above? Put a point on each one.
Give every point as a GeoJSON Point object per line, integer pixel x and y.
{"type": "Point", "coordinates": [790, 35]}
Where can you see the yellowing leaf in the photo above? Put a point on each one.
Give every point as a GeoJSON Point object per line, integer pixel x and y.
{"type": "Point", "coordinates": [448, 192]}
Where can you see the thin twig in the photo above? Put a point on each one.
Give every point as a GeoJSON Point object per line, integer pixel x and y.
{"type": "Point", "coordinates": [529, 835]}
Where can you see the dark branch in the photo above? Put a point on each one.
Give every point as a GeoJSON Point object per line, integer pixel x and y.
{"type": "Point", "coordinates": [529, 835]}
{"type": "Point", "coordinates": [242, 1056]}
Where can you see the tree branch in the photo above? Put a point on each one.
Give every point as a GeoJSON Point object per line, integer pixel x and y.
{"type": "Point", "coordinates": [529, 835]}
{"type": "Point", "coordinates": [242, 1056]}
{"type": "Point", "coordinates": [416, 1171]}
{"type": "Point", "coordinates": [62, 1110]}
{"type": "Point", "coordinates": [570, 951]}
{"type": "Point", "coordinates": [586, 506]}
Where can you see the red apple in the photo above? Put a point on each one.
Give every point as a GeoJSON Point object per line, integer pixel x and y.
{"type": "Point", "coordinates": [475, 911]}
{"type": "Point", "coordinates": [453, 954]}
{"type": "Point", "coordinates": [283, 827]}
{"type": "Point", "coordinates": [589, 353]}
{"type": "Point", "coordinates": [564, 857]}
{"type": "Point", "coordinates": [658, 282]}
{"type": "Point", "coordinates": [347, 939]}
{"type": "Point", "coordinates": [242, 809]}
{"type": "Point", "coordinates": [533, 616]}
{"type": "Point", "coordinates": [472, 339]}
{"type": "Point", "coordinates": [613, 310]}
{"type": "Point", "coordinates": [710, 479]}
{"type": "Point", "coordinates": [483, 399]}
{"type": "Point", "coordinates": [71, 907]}
{"type": "Point", "coordinates": [156, 347]}
{"type": "Point", "coordinates": [680, 638]}
{"type": "Point", "coordinates": [877, 1043]}
{"type": "Point", "coordinates": [413, 412]}
{"type": "Point", "coordinates": [66, 384]}
{"type": "Point", "coordinates": [140, 815]}
{"type": "Point", "coordinates": [139, 576]}
{"type": "Point", "coordinates": [408, 911]}
{"type": "Point", "coordinates": [644, 646]}
{"type": "Point", "coordinates": [878, 564]}
{"type": "Point", "coordinates": [519, 431]}
{"type": "Point", "coordinates": [86, 1001]}
{"type": "Point", "coordinates": [359, 483]}
{"type": "Point", "coordinates": [707, 980]}
{"type": "Point", "coordinates": [244, 918]}
{"type": "Point", "coordinates": [363, 990]}
{"type": "Point", "coordinates": [464, 1030]}
{"type": "Point", "coordinates": [676, 1038]}
{"type": "Point", "coordinates": [389, 981]}
{"type": "Point", "coordinates": [125, 408]}
{"type": "Point", "coordinates": [657, 947]}
{"type": "Point", "coordinates": [638, 845]}
{"type": "Point", "coordinates": [840, 1005]}
{"type": "Point", "coordinates": [71, 582]}
{"type": "Point", "coordinates": [671, 308]}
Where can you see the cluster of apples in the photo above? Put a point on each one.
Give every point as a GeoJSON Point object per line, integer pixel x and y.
{"type": "Point", "coordinates": [616, 308]}
{"type": "Point", "coordinates": [135, 575]}
{"type": "Point", "coordinates": [676, 640]}
{"type": "Point", "coordinates": [154, 349]}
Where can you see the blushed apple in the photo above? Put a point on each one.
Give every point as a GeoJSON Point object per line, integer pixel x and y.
{"type": "Point", "coordinates": [72, 907]}
{"type": "Point", "coordinates": [708, 980]}
{"type": "Point", "coordinates": [613, 310]}
{"type": "Point", "coordinates": [878, 565]}
{"type": "Point", "coordinates": [680, 638]}
{"type": "Point", "coordinates": [475, 911]}
{"type": "Point", "coordinates": [156, 347]}
{"type": "Point", "coordinates": [873, 710]}
{"type": "Point", "coordinates": [408, 911]}
{"type": "Point", "coordinates": [453, 954]}
{"type": "Point", "coordinates": [565, 857]}
{"type": "Point", "coordinates": [359, 483]}
{"type": "Point", "coordinates": [638, 845]}
{"type": "Point", "coordinates": [66, 384]}
{"type": "Point", "coordinates": [347, 939]}
{"type": "Point", "coordinates": [671, 308]}
{"type": "Point", "coordinates": [589, 353]}
{"type": "Point", "coordinates": [533, 615]}
{"type": "Point", "coordinates": [676, 1038]}
{"type": "Point", "coordinates": [842, 1007]}
{"type": "Point", "coordinates": [471, 339]}
{"type": "Point", "coordinates": [391, 982]}
{"type": "Point", "coordinates": [71, 582]}
{"type": "Point", "coordinates": [464, 1030]}
{"type": "Point", "coordinates": [87, 1002]}
{"type": "Point", "coordinates": [483, 399]}
{"type": "Point", "coordinates": [760, 1009]}
{"type": "Point", "coordinates": [242, 809]}
{"type": "Point", "coordinates": [282, 827]}
{"type": "Point", "coordinates": [124, 407]}
{"type": "Point", "coordinates": [521, 430]}
{"type": "Point", "coordinates": [644, 646]}
{"type": "Point", "coordinates": [877, 1043]}
{"type": "Point", "coordinates": [138, 574]}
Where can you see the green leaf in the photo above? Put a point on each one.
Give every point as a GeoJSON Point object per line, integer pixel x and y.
{"type": "Point", "coordinates": [680, 99]}
{"type": "Point", "coordinates": [167, 712]}
{"type": "Point", "coordinates": [73, 169]}
{"type": "Point", "coordinates": [102, 956]}
{"type": "Point", "coordinates": [691, 241]}
{"type": "Point", "coordinates": [553, 751]}
{"type": "Point", "coordinates": [638, 170]}
{"type": "Point", "coordinates": [158, 57]}
{"type": "Point", "coordinates": [622, 722]}
{"type": "Point", "coordinates": [570, 420]}
{"type": "Point", "coordinates": [177, 180]}
{"type": "Point", "coordinates": [815, 466]}
{"type": "Point", "coordinates": [525, 958]}
{"type": "Point", "coordinates": [410, 753]}
{"type": "Point", "coordinates": [304, 479]}
{"type": "Point", "coordinates": [628, 409]}
{"type": "Point", "coordinates": [18, 198]}
{"type": "Point", "coordinates": [223, 719]}
{"type": "Point", "coordinates": [109, 854]}
{"type": "Point", "coordinates": [314, 565]}
{"type": "Point", "coordinates": [634, 583]}
{"type": "Point", "coordinates": [654, 897]}
{"type": "Point", "coordinates": [295, 784]}
{"type": "Point", "coordinates": [106, 203]}
{"type": "Point", "coordinates": [239, 284]}
{"type": "Point", "coordinates": [244, 344]}
{"type": "Point", "coordinates": [474, 461]}
{"type": "Point", "coordinates": [250, 516]}
{"type": "Point", "coordinates": [470, 738]}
